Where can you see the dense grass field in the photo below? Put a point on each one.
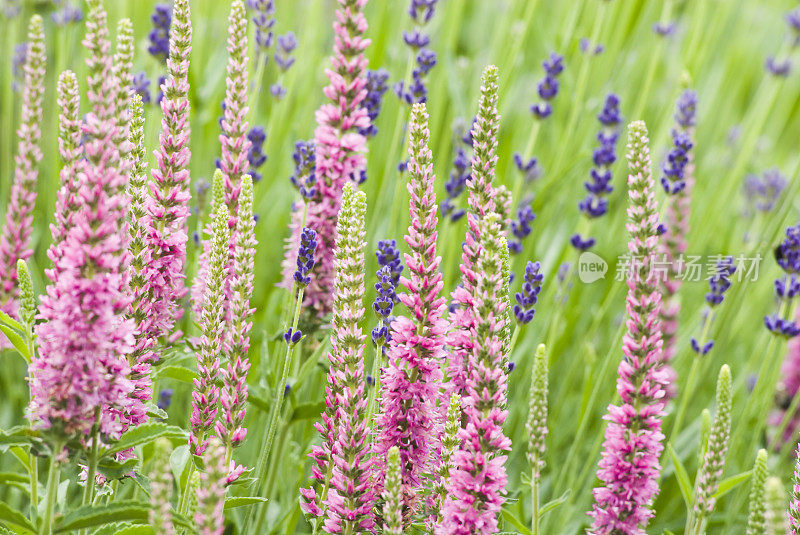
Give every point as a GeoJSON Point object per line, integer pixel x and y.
{"type": "Point", "coordinates": [748, 121]}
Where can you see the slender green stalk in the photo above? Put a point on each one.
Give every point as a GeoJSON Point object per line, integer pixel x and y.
{"type": "Point", "coordinates": [91, 470]}
{"type": "Point", "coordinates": [599, 382]}
{"type": "Point", "coordinates": [271, 473]}
{"type": "Point", "coordinates": [688, 391]}
{"type": "Point", "coordinates": [277, 405]}
{"type": "Point", "coordinates": [53, 477]}
{"type": "Point", "coordinates": [33, 472]}
{"type": "Point", "coordinates": [376, 378]}
{"type": "Point", "coordinates": [277, 402]}
{"type": "Point", "coordinates": [535, 507]}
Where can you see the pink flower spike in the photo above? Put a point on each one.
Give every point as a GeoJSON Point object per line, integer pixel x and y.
{"type": "Point", "coordinates": [629, 467]}
{"type": "Point", "coordinates": [85, 336]}
{"type": "Point", "coordinates": [340, 149]}
{"type": "Point", "coordinates": [476, 487]}
{"type": "Point", "coordinates": [205, 396]}
{"type": "Point", "coordinates": [210, 492]}
{"type": "Point", "coordinates": [71, 150]}
{"type": "Point", "coordinates": [168, 203]}
{"type": "Point", "coordinates": [15, 239]}
{"type": "Point", "coordinates": [412, 413]}
{"type": "Point", "coordinates": [481, 203]}
{"type": "Point", "coordinates": [343, 468]}
{"type": "Point", "coordinates": [235, 146]}
{"type": "Point", "coordinates": [234, 376]}
{"type": "Point", "coordinates": [234, 121]}
{"type": "Point", "coordinates": [141, 305]}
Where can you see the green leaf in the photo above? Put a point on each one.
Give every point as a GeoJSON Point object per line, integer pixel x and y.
{"type": "Point", "coordinates": [552, 504]}
{"type": "Point", "coordinates": [179, 373]}
{"type": "Point", "coordinates": [90, 516]}
{"type": "Point", "coordinates": [682, 476]}
{"type": "Point", "coordinates": [178, 460]}
{"type": "Point", "coordinates": [241, 501]}
{"type": "Point", "coordinates": [184, 522]}
{"type": "Point", "coordinates": [727, 485]}
{"type": "Point", "coordinates": [154, 412]}
{"type": "Point", "coordinates": [13, 477]}
{"type": "Point", "coordinates": [22, 457]}
{"type": "Point", "coordinates": [509, 517]}
{"type": "Point", "coordinates": [125, 529]}
{"type": "Point", "coordinates": [257, 397]}
{"type": "Point", "coordinates": [307, 411]}
{"type": "Point", "coordinates": [145, 433]}
{"type": "Point", "coordinates": [15, 520]}
{"type": "Point", "coordinates": [114, 469]}
{"type": "Point", "coordinates": [5, 319]}
{"type": "Point", "coordinates": [16, 341]}
{"type": "Point", "coordinates": [20, 436]}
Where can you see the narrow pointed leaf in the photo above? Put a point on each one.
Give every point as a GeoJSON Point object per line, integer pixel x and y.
{"type": "Point", "coordinates": [682, 476]}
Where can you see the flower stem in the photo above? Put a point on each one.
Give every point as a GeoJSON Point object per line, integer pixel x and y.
{"type": "Point", "coordinates": [534, 501]}
{"type": "Point", "coordinates": [277, 403]}
{"type": "Point", "coordinates": [33, 471]}
{"type": "Point", "coordinates": [91, 471]}
{"type": "Point", "coordinates": [689, 389]}
{"type": "Point", "coordinates": [53, 477]}
{"type": "Point", "coordinates": [376, 377]}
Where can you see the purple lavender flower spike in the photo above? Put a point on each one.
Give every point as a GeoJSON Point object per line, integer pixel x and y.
{"type": "Point", "coordinates": [521, 228]}
{"type": "Point", "coordinates": [416, 39]}
{"type": "Point", "coordinates": [779, 68]}
{"type": "Point", "coordinates": [286, 44]}
{"type": "Point", "coordinates": [526, 298]}
{"type": "Point", "coordinates": [793, 20]}
{"type": "Point", "coordinates": [389, 256]}
{"type": "Point", "coordinates": [457, 180]}
{"type": "Point", "coordinates": [255, 153]}
{"type": "Point", "coordinates": [548, 86]}
{"type": "Point", "coordinates": [720, 281]}
{"type": "Point", "coordinates": [421, 12]}
{"type": "Point", "coordinates": [787, 288]}
{"type": "Point", "coordinates": [17, 64]}
{"type": "Point", "coordinates": [264, 21]}
{"type": "Point", "coordinates": [762, 193]}
{"type": "Point", "coordinates": [388, 280]}
{"type": "Point", "coordinates": [159, 35]}
{"type": "Point", "coordinates": [595, 204]}
{"type": "Point", "coordinates": [141, 84]}
{"type": "Point", "coordinates": [674, 180]}
{"type": "Point", "coordinates": [376, 88]}
{"type": "Point", "coordinates": [305, 257]}
{"type": "Point", "coordinates": [664, 29]}
{"type": "Point", "coordinates": [66, 13]}
{"type": "Point", "coordinates": [529, 168]}
{"type": "Point", "coordinates": [305, 165]}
